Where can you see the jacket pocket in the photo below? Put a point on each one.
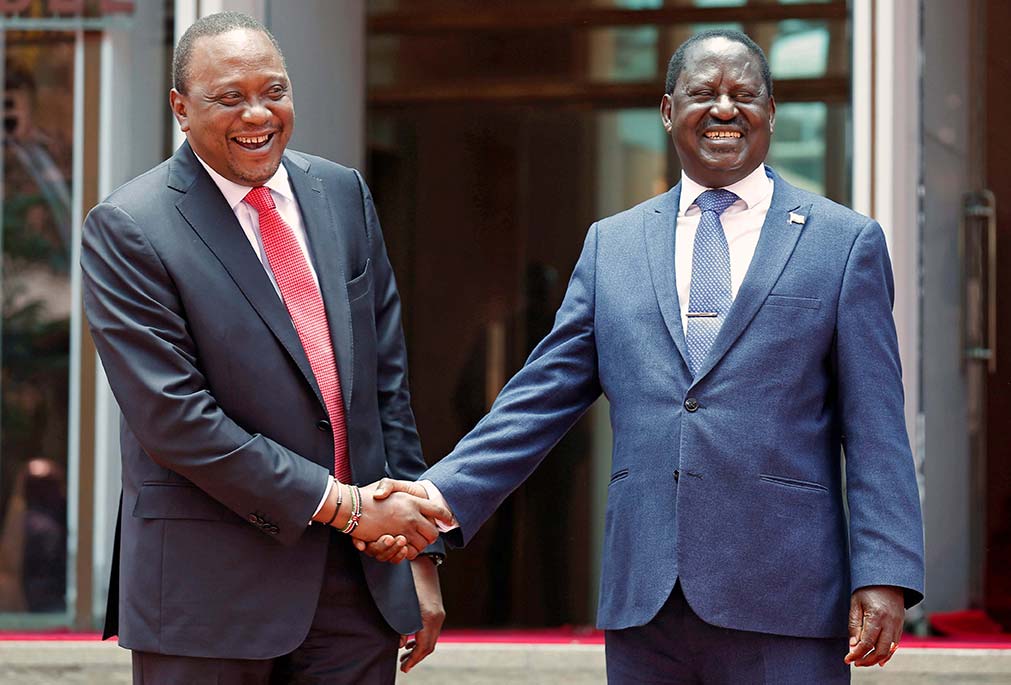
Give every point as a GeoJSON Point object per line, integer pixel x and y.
{"type": "Point", "coordinates": [793, 483]}
{"type": "Point", "coordinates": [361, 284]}
{"type": "Point", "coordinates": [618, 475]}
{"type": "Point", "coordinates": [792, 301]}
{"type": "Point", "coordinates": [167, 500]}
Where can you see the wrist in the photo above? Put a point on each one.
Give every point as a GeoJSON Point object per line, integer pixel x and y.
{"type": "Point", "coordinates": [343, 512]}
{"type": "Point", "coordinates": [328, 507]}
{"type": "Point", "coordinates": [435, 558]}
{"type": "Point", "coordinates": [348, 519]}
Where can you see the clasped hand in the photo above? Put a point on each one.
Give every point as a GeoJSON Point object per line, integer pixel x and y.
{"type": "Point", "coordinates": [400, 521]}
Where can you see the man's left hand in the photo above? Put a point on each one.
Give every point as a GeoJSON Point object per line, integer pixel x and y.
{"type": "Point", "coordinates": [876, 616]}
{"type": "Point", "coordinates": [426, 583]}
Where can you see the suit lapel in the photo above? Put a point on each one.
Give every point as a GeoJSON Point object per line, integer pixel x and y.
{"type": "Point", "coordinates": [328, 252]}
{"type": "Point", "coordinates": [660, 226]}
{"type": "Point", "coordinates": [775, 245]}
{"type": "Point", "coordinates": [205, 209]}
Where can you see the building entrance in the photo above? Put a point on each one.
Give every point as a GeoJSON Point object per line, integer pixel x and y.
{"type": "Point", "coordinates": [993, 210]}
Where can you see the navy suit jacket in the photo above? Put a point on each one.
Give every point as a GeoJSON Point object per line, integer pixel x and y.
{"type": "Point", "coordinates": [731, 480]}
{"type": "Point", "coordinates": [224, 462]}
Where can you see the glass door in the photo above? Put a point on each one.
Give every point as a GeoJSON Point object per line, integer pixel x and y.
{"type": "Point", "coordinates": [497, 132]}
{"type": "Point", "coordinates": [35, 327]}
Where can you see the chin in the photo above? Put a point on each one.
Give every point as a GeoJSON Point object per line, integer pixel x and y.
{"type": "Point", "coordinates": [257, 176]}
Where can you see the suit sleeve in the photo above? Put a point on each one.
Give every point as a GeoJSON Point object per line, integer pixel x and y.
{"type": "Point", "coordinates": [886, 529]}
{"type": "Point", "coordinates": [533, 412]}
{"type": "Point", "coordinates": [140, 330]}
{"type": "Point", "coordinates": [404, 458]}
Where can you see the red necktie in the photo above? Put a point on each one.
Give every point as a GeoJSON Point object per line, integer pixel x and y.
{"type": "Point", "coordinates": [305, 304]}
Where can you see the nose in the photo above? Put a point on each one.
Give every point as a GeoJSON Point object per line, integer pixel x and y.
{"type": "Point", "coordinates": [256, 113]}
{"type": "Point", "coordinates": [724, 107]}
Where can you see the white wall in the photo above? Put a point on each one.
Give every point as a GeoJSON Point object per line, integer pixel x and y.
{"type": "Point", "coordinates": [324, 45]}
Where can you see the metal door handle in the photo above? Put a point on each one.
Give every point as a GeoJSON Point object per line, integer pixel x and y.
{"type": "Point", "coordinates": [980, 210]}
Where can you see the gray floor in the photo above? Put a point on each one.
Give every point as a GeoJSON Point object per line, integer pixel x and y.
{"type": "Point", "coordinates": [94, 663]}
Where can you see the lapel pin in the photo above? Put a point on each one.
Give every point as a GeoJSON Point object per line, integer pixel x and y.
{"type": "Point", "coordinates": [797, 218]}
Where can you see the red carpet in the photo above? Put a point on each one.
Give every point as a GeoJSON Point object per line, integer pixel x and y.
{"type": "Point", "coordinates": [568, 636]}
{"type": "Point", "coordinates": [967, 623]}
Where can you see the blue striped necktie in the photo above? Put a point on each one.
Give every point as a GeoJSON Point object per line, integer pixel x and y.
{"type": "Point", "coordinates": [710, 296]}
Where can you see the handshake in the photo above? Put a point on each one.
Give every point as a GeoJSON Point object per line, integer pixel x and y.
{"type": "Point", "coordinates": [395, 518]}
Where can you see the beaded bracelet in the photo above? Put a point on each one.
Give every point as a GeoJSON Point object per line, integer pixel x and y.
{"type": "Point", "coordinates": [356, 509]}
{"type": "Point", "coordinates": [340, 500]}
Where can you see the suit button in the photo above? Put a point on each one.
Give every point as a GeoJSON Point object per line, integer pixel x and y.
{"type": "Point", "coordinates": [272, 530]}
{"type": "Point", "coordinates": [692, 404]}
{"type": "Point", "coordinates": [253, 518]}
{"type": "Point", "coordinates": [677, 474]}
{"type": "Point", "coordinates": [323, 425]}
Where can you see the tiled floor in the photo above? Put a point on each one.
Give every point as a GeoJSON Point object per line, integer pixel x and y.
{"type": "Point", "coordinates": [95, 663]}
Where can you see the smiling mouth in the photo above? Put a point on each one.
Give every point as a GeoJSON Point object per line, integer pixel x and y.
{"type": "Point", "coordinates": [722, 135]}
{"type": "Point", "coordinates": [253, 142]}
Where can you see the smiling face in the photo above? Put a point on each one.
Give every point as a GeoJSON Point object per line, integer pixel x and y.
{"type": "Point", "coordinates": [720, 115]}
{"type": "Point", "coordinates": [237, 113]}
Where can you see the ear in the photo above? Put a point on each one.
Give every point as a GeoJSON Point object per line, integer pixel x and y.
{"type": "Point", "coordinates": [666, 102]}
{"type": "Point", "coordinates": [178, 103]}
{"type": "Point", "coordinates": [772, 115]}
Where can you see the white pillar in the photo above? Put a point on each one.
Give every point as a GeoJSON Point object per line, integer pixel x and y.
{"type": "Point", "coordinates": [324, 46]}
{"type": "Point", "coordinates": [886, 163]}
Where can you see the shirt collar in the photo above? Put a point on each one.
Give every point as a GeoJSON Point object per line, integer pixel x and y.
{"type": "Point", "coordinates": [753, 188]}
{"type": "Point", "coordinates": [235, 193]}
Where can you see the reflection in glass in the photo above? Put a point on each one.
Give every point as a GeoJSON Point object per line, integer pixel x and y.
{"type": "Point", "coordinates": [800, 50]}
{"type": "Point", "coordinates": [486, 186]}
{"type": "Point", "coordinates": [509, 60]}
{"type": "Point", "coordinates": [381, 6]}
{"type": "Point", "coordinates": [35, 325]}
{"type": "Point", "coordinates": [795, 48]}
{"type": "Point", "coordinates": [624, 54]}
{"type": "Point", "coordinates": [810, 139]}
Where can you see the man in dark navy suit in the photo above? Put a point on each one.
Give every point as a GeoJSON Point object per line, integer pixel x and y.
{"type": "Point", "coordinates": [246, 313]}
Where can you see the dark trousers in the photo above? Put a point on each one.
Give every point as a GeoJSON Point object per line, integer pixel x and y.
{"type": "Point", "coordinates": [349, 642]}
{"type": "Point", "coordinates": [677, 647]}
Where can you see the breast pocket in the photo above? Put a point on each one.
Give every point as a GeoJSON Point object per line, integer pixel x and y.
{"type": "Point", "coordinates": [361, 285]}
{"type": "Point", "coordinates": [793, 301]}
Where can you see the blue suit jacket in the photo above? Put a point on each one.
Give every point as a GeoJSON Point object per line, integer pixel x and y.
{"type": "Point", "coordinates": [731, 480]}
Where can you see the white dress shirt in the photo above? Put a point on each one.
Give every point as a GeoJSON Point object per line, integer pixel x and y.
{"type": "Point", "coordinates": [249, 219]}
{"type": "Point", "coordinates": [742, 224]}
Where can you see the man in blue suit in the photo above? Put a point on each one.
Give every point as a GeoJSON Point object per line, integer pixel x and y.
{"type": "Point", "coordinates": [741, 329]}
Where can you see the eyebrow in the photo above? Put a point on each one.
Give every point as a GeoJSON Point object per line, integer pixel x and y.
{"type": "Point", "coordinates": [237, 84]}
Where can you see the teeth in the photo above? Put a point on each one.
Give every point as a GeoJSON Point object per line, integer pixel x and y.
{"type": "Point", "coordinates": [252, 141]}
{"type": "Point", "coordinates": [722, 134]}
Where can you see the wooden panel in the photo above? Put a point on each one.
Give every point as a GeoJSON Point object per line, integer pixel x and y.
{"type": "Point", "coordinates": [431, 18]}
{"type": "Point", "coordinates": [997, 152]}
{"type": "Point", "coordinates": [597, 95]}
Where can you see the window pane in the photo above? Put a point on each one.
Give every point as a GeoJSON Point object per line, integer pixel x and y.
{"type": "Point", "coordinates": [623, 54]}
{"type": "Point", "coordinates": [380, 6]}
{"type": "Point", "coordinates": [809, 147]}
{"type": "Point", "coordinates": [795, 48]}
{"type": "Point", "coordinates": [35, 324]}
{"type": "Point", "coordinates": [490, 153]}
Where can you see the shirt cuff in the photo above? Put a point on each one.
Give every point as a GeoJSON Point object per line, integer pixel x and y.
{"type": "Point", "coordinates": [436, 496]}
{"type": "Point", "coordinates": [326, 493]}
